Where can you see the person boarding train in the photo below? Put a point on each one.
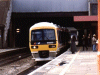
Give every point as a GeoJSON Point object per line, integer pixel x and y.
{"type": "Point", "coordinates": [73, 46]}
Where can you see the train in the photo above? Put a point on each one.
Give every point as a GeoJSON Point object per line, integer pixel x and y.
{"type": "Point", "coordinates": [46, 40]}
{"type": "Point", "coordinates": [74, 32]}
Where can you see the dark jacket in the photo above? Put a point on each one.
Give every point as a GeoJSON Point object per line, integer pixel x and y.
{"type": "Point", "coordinates": [73, 46]}
{"type": "Point", "coordinates": [85, 40]}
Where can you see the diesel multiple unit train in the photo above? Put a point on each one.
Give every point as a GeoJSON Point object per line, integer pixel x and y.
{"type": "Point", "coordinates": [46, 40]}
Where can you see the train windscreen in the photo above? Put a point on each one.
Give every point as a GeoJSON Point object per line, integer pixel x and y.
{"type": "Point", "coordinates": [49, 34]}
{"type": "Point", "coordinates": [43, 35]}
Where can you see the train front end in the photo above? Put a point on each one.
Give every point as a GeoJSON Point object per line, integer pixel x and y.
{"type": "Point", "coordinates": [43, 44]}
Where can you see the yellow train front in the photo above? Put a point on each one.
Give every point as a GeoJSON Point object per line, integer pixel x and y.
{"type": "Point", "coordinates": [44, 41]}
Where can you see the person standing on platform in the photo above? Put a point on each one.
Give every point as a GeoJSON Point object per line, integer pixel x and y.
{"type": "Point", "coordinates": [94, 42]}
{"type": "Point", "coordinates": [85, 42]}
{"type": "Point", "coordinates": [89, 40]}
{"type": "Point", "coordinates": [73, 46]}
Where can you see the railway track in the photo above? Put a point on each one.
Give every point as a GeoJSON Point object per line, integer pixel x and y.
{"type": "Point", "coordinates": [18, 63]}
{"type": "Point", "coordinates": [34, 67]}
{"type": "Point", "coordinates": [7, 60]}
{"type": "Point", "coordinates": [11, 56]}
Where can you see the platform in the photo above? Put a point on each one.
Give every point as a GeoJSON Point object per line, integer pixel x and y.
{"type": "Point", "coordinates": [80, 63]}
{"type": "Point", "coordinates": [10, 49]}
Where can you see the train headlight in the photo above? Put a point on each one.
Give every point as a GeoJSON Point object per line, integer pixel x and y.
{"type": "Point", "coordinates": [34, 47]}
{"type": "Point", "coordinates": [52, 46]}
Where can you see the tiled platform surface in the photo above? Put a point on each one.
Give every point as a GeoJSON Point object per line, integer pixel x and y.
{"type": "Point", "coordinates": [84, 64]}
{"type": "Point", "coordinates": [80, 63]}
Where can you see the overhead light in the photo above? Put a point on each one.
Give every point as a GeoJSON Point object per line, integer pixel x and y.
{"type": "Point", "coordinates": [17, 30]}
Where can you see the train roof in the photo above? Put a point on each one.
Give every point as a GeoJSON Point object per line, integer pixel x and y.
{"type": "Point", "coordinates": [71, 29]}
{"type": "Point", "coordinates": [41, 24]}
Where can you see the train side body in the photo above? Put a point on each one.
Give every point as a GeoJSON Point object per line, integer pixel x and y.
{"type": "Point", "coordinates": [43, 41]}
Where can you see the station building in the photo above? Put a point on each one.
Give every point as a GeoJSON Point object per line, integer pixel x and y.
{"type": "Point", "coordinates": [17, 16]}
